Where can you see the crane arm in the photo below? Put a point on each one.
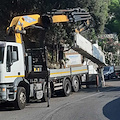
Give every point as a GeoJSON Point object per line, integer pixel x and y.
{"type": "Point", "coordinates": [56, 16]}
{"type": "Point", "coordinates": [69, 15]}
{"type": "Point", "coordinates": [25, 21]}
{"type": "Point", "coordinates": [19, 23]}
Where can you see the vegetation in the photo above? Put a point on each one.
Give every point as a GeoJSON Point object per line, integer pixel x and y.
{"type": "Point", "coordinates": [113, 23]}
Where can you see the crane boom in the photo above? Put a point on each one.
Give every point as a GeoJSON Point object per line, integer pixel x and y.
{"type": "Point", "coordinates": [56, 16]}
{"type": "Point", "coordinates": [69, 15]}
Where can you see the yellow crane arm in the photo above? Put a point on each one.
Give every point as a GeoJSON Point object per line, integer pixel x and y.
{"type": "Point", "coordinates": [60, 18]}
{"type": "Point", "coordinates": [71, 15]}
{"type": "Point", "coordinates": [25, 21]}
{"type": "Point", "coordinates": [19, 23]}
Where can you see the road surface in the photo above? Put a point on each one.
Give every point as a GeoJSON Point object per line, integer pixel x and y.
{"type": "Point", "coordinates": [87, 104]}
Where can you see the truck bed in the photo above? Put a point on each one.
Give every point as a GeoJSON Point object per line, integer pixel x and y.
{"type": "Point", "coordinates": [68, 71]}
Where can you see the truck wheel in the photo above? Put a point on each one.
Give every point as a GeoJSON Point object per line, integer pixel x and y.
{"type": "Point", "coordinates": [75, 84]}
{"type": "Point", "coordinates": [20, 101]}
{"type": "Point", "coordinates": [67, 87]}
{"type": "Point", "coordinates": [44, 99]}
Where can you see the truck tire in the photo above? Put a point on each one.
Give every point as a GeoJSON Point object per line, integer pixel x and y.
{"type": "Point", "coordinates": [44, 99]}
{"type": "Point", "coordinates": [67, 87]}
{"type": "Point", "coordinates": [75, 84]}
{"type": "Point", "coordinates": [20, 101]}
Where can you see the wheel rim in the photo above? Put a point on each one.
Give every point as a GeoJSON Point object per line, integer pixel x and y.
{"type": "Point", "coordinates": [22, 97]}
{"type": "Point", "coordinates": [75, 84]}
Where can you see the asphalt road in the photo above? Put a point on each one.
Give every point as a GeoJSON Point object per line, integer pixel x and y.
{"type": "Point", "coordinates": [87, 104]}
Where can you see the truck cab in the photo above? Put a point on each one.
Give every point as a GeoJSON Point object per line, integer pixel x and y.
{"type": "Point", "coordinates": [11, 68]}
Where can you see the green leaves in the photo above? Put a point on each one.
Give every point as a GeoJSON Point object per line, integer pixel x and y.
{"type": "Point", "coordinates": [114, 17]}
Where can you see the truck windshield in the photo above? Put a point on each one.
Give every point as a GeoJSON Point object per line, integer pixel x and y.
{"type": "Point", "coordinates": [1, 54]}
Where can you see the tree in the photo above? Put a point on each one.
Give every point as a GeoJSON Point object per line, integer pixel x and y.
{"type": "Point", "coordinates": [114, 17]}
{"type": "Point", "coordinates": [99, 10]}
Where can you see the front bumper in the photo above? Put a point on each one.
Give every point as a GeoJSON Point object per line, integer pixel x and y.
{"type": "Point", "coordinates": [7, 92]}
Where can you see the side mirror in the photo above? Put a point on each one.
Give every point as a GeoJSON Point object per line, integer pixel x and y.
{"type": "Point", "coordinates": [14, 56]}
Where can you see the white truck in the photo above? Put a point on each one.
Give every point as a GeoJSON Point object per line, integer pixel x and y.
{"type": "Point", "coordinates": [24, 73]}
{"type": "Point", "coordinates": [22, 77]}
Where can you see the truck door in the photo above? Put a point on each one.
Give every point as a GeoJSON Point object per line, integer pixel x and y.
{"type": "Point", "coordinates": [13, 64]}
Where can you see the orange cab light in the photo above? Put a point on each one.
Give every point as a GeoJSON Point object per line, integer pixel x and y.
{"type": "Point", "coordinates": [3, 89]}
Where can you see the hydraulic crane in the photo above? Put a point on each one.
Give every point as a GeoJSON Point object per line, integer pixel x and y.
{"type": "Point", "coordinates": [18, 24]}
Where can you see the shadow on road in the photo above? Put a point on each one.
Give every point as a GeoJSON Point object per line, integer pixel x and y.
{"type": "Point", "coordinates": [112, 110]}
{"type": "Point", "coordinates": [6, 107]}
{"type": "Point", "coordinates": [115, 79]}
